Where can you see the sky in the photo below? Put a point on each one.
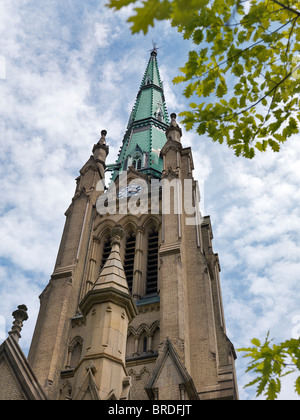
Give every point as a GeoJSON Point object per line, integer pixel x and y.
{"type": "Point", "coordinates": [71, 69]}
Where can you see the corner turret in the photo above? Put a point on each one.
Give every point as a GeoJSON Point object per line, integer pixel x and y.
{"type": "Point", "coordinates": [108, 309]}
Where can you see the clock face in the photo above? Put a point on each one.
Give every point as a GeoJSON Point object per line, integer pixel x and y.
{"type": "Point", "coordinates": [129, 191]}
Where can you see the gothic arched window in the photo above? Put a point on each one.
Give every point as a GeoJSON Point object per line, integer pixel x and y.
{"type": "Point", "coordinates": [159, 114]}
{"type": "Point", "coordinates": [148, 80]}
{"type": "Point", "coordinates": [74, 354]}
{"type": "Point", "coordinates": [137, 161]}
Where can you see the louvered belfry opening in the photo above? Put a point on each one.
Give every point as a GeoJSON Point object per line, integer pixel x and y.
{"type": "Point", "coordinates": [106, 252]}
{"type": "Point", "coordinates": [152, 264]}
{"type": "Point", "coordinates": [129, 260]}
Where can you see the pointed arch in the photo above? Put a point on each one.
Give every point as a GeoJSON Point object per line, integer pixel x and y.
{"type": "Point", "coordinates": [129, 224]}
{"type": "Point", "coordinates": [103, 232]}
{"type": "Point", "coordinates": [104, 228]}
{"type": "Point", "coordinates": [152, 222]}
{"type": "Point", "coordinates": [76, 340]}
{"type": "Point", "coordinates": [169, 355]}
{"type": "Point", "coordinates": [143, 328]}
{"type": "Point", "coordinates": [88, 389]}
{"type": "Point", "coordinates": [131, 330]}
{"type": "Point", "coordinates": [75, 352]}
{"type": "Point", "coordinates": [154, 327]}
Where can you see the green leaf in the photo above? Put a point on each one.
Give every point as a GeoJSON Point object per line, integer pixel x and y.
{"type": "Point", "coordinates": [254, 382]}
{"type": "Point", "coordinates": [297, 385]}
{"type": "Point", "coordinates": [233, 103]}
{"type": "Point", "coordinates": [118, 4]}
{"type": "Point", "coordinates": [275, 146]}
{"type": "Point", "coordinates": [179, 79]}
{"type": "Point", "coordinates": [272, 390]}
{"type": "Point", "coordinates": [259, 146]}
{"type": "Point", "coordinates": [145, 16]}
{"type": "Point", "coordinates": [256, 342]}
{"type": "Point", "coordinates": [238, 149]}
{"type": "Point", "coordinates": [264, 102]}
{"type": "Point", "coordinates": [189, 90]}
{"type": "Point", "coordinates": [221, 90]}
{"type": "Point", "coordinates": [238, 70]}
{"type": "Point", "coordinates": [198, 36]}
{"type": "Point", "coordinates": [201, 128]}
{"type": "Point", "coordinates": [261, 387]}
{"type": "Point", "coordinates": [279, 137]}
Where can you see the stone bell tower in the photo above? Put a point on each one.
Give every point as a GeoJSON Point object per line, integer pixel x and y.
{"type": "Point", "coordinates": [133, 309]}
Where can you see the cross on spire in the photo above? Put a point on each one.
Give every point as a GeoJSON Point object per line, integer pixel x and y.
{"type": "Point", "coordinates": [155, 49]}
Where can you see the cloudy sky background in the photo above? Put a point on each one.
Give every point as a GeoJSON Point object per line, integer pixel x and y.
{"type": "Point", "coordinates": [70, 69]}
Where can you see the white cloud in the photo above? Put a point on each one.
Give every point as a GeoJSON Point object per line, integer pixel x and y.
{"type": "Point", "coordinates": [256, 222]}
{"type": "Point", "coordinates": [73, 69]}
{"type": "Point", "coordinates": [102, 32]}
{"type": "Point", "coordinates": [2, 67]}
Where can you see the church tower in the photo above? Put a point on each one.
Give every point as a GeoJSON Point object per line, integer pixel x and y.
{"type": "Point", "coordinates": [133, 309]}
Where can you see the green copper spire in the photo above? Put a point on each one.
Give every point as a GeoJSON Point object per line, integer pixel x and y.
{"type": "Point", "coordinates": [145, 135]}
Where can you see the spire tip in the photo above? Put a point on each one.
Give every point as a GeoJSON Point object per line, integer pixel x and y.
{"type": "Point", "coordinates": [154, 51]}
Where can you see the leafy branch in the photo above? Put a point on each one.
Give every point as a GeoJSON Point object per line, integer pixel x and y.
{"type": "Point", "coordinates": [270, 363]}
{"type": "Point", "coordinates": [241, 75]}
{"type": "Point", "coordinates": [287, 7]}
{"type": "Point", "coordinates": [262, 98]}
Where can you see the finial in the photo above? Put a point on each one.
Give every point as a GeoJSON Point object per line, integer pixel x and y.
{"type": "Point", "coordinates": [116, 235]}
{"type": "Point", "coordinates": [174, 132]}
{"type": "Point", "coordinates": [103, 137]}
{"type": "Point", "coordinates": [154, 50]}
{"type": "Point", "coordinates": [20, 316]}
{"type": "Point", "coordinates": [173, 120]}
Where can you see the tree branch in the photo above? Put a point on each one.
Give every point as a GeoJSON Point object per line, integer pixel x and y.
{"type": "Point", "coordinates": [286, 7]}
{"type": "Point", "coordinates": [290, 35]}
{"type": "Point", "coordinates": [264, 97]}
{"type": "Point", "coordinates": [243, 51]}
{"type": "Point", "coordinates": [266, 117]}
